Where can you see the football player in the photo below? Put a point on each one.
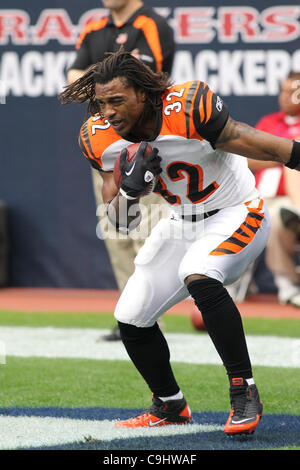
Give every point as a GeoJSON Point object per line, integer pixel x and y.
{"type": "Point", "coordinates": [218, 224]}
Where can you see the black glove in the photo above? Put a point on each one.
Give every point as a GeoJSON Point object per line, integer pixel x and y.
{"type": "Point", "coordinates": [140, 172]}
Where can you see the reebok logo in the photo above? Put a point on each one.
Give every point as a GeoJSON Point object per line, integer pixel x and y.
{"type": "Point", "coordinates": [219, 104]}
{"type": "Point", "coordinates": [238, 381]}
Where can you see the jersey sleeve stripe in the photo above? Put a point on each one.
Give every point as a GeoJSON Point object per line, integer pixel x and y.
{"type": "Point", "coordinates": [82, 147]}
{"type": "Point", "coordinates": [150, 31]}
{"type": "Point", "coordinates": [87, 144]}
{"type": "Point", "coordinates": [94, 26]}
{"type": "Point", "coordinates": [188, 106]}
{"type": "Point", "coordinates": [208, 105]}
{"type": "Point", "coordinates": [86, 138]}
{"type": "Point", "coordinates": [199, 107]}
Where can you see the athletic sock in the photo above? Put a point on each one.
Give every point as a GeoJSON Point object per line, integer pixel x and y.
{"type": "Point", "coordinates": [224, 325]}
{"type": "Point", "coordinates": [250, 381]}
{"type": "Point", "coordinates": [177, 396]}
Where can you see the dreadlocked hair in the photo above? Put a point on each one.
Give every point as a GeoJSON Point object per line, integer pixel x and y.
{"type": "Point", "coordinates": [133, 73]}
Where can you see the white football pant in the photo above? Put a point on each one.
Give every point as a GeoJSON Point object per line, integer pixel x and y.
{"type": "Point", "coordinates": [221, 247]}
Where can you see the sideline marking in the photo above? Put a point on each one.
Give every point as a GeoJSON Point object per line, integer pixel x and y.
{"type": "Point", "coordinates": [92, 429]}
{"type": "Point", "coordinates": [33, 431]}
{"type": "Point", "coordinates": [188, 348]}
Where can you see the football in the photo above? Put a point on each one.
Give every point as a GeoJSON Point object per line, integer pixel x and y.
{"type": "Point", "coordinates": [132, 150]}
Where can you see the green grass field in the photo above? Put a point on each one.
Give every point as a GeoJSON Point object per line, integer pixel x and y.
{"type": "Point", "coordinates": [171, 323]}
{"type": "Point", "coordinates": [64, 382]}
{"type": "Point", "coordinates": [94, 375]}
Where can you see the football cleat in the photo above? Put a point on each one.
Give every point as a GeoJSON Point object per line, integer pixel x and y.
{"type": "Point", "coordinates": [246, 408]}
{"type": "Point", "coordinates": [160, 413]}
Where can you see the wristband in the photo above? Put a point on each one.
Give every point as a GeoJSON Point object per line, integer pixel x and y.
{"type": "Point", "coordinates": [295, 156]}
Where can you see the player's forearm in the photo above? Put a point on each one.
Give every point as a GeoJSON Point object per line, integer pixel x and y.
{"type": "Point", "coordinates": [249, 142]}
{"type": "Point", "coordinates": [256, 165]}
{"type": "Point", "coordinates": [124, 214]}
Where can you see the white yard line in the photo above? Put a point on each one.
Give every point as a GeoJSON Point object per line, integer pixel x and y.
{"type": "Point", "coordinates": [25, 432]}
{"type": "Point", "coordinates": [189, 348]}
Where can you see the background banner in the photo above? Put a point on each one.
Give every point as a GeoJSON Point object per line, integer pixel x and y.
{"type": "Point", "coordinates": [242, 50]}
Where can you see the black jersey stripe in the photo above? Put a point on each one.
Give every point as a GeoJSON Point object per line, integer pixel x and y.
{"type": "Point", "coordinates": [224, 251]}
{"type": "Point", "coordinates": [241, 232]}
{"type": "Point", "coordinates": [250, 227]}
{"type": "Point", "coordinates": [82, 147]}
{"type": "Point", "coordinates": [198, 106]}
{"type": "Point", "coordinates": [188, 106]}
{"type": "Point", "coordinates": [236, 241]}
{"type": "Point", "coordinates": [253, 215]}
{"type": "Point", "coordinates": [87, 139]}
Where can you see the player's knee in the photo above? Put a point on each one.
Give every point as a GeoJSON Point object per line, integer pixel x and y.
{"type": "Point", "coordinates": [194, 277]}
{"type": "Point", "coordinates": [132, 306]}
{"type": "Point", "coordinates": [134, 319]}
{"type": "Point", "coordinates": [124, 317]}
{"type": "Point", "coordinates": [207, 293]}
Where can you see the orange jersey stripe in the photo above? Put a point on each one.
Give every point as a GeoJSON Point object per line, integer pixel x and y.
{"type": "Point", "coordinates": [95, 136]}
{"type": "Point", "coordinates": [191, 131]}
{"type": "Point", "coordinates": [101, 135]}
{"type": "Point", "coordinates": [208, 104]}
{"type": "Point", "coordinates": [181, 122]}
{"type": "Point", "coordinates": [258, 209]}
{"type": "Point", "coordinates": [86, 146]}
{"type": "Point", "coordinates": [149, 28]}
{"type": "Point", "coordinates": [175, 122]}
{"type": "Point", "coordinates": [251, 222]}
{"type": "Point", "coordinates": [94, 26]}
{"type": "Point", "coordinates": [84, 140]}
{"type": "Point", "coordinates": [243, 238]}
{"type": "Point", "coordinates": [201, 108]}
{"type": "Point", "coordinates": [227, 247]}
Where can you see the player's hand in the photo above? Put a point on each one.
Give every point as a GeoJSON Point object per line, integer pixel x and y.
{"type": "Point", "coordinates": [139, 173]}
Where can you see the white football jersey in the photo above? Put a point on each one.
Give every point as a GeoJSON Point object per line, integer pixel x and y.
{"type": "Point", "coordinates": [194, 173]}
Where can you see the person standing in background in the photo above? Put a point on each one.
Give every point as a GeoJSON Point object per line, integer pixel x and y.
{"type": "Point", "coordinates": [140, 30]}
{"type": "Point", "coordinates": [281, 189]}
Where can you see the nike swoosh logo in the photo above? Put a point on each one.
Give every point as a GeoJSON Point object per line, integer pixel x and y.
{"type": "Point", "coordinates": [241, 421]}
{"type": "Point", "coordinates": [156, 422]}
{"type": "Point", "coordinates": [128, 173]}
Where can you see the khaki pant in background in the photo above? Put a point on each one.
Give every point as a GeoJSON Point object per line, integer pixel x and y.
{"type": "Point", "coordinates": [123, 249]}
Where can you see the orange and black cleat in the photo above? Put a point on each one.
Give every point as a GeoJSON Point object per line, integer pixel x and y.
{"type": "Point", "coordinates": [160, 414]}
{"type": "Point", "coordinates": [246, 408]}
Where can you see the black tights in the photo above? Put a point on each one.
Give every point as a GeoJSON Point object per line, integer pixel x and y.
{"type": "Point", "coordinates": [149, 351]}
{"type": "Point", "coordinates": [223, 323]}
